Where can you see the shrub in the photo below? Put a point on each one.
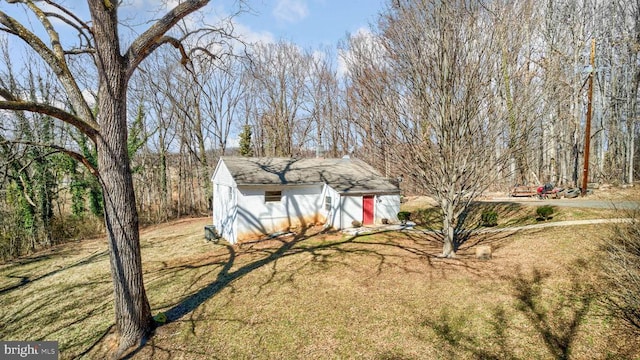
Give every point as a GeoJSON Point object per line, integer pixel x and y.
{"type": "Point", "coordinates": [404, 216]}
{"type": "Point", "coordinates": [489, 218]}
{"type": "Point", "coordinates": [356, 223]}
{"type": "Point", "coordinates": [621, 269]}
{"type": "Point", "coordinates": [544, 212]}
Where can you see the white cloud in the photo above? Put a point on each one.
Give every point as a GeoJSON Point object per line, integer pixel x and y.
{"type": "Point", "coordinates": [290, 11]}
{"type": "Point", "coordinates": [367, 39]}
{"type": "Point", "coordinates": [250, 36]}
{"type": "Point", "coordinates": [150, 6]}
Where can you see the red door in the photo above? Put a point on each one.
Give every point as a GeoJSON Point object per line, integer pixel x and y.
{"type": "Point", "coordinates": [367, 210]}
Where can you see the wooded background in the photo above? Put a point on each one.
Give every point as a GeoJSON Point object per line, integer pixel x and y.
{"type": "Point", "coordinates": [504, 79]}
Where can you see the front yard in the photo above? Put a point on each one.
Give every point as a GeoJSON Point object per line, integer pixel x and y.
{"type": "Point", "coordinates": [379, 296]}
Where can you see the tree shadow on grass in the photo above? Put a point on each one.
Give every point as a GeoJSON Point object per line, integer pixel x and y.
{"type": "Point", "coordinates": [389, 250]}
{"type": "Point", "coordinates": [224, 279]}
{"type": "Point", "coordinates": [52, 308]}
{"type": "Point", "coordinates": [559, 324]}
{"type": "Point", "coordinates": [555, 317]}
{"type": "Point", "coordinates": [453, 330]}
{"type": "Point", "coordinates": [24, 280]}
{"type": "Point", "coordinates": [265, 255]}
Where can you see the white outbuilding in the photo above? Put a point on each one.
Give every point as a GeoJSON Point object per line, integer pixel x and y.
{"type": "Point", "coordinates": [253, 197]}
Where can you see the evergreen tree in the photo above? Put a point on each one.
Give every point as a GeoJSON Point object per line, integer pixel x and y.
{"type": "Point", "coordinates": [246, 148]}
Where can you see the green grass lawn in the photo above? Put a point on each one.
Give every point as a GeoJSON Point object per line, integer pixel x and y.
{"type": "Point", "coordinates": [328, 296]}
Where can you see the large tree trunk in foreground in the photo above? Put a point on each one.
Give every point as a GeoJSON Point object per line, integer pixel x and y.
{"type": "Point", "coordinates": [133, 314]}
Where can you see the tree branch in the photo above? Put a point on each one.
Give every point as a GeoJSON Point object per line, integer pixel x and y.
{"type": "Point", "coordinates": [19, 105]}
{"type": "Point", "coordinates": [79, 51]}
{"type": "Point", "coordinates": [76, 156]}
{"type": "Point", "coordinates": [56, 46]}
{"type": "Point", "coordinates": [176, 44]}
{"type": "Point", "coordinates": [54, 58]}
{"type": "Point", "coordinates": [148, 41]}
{"type": "Point", "coordinates": [80, 25]}
{"type": "Point", "coordinates": [7, 30]}
{"type": "Point", "coordinates": [31, 39]}
{"type": "Point", "coordinates": [7, 95]}
{"type": "Point", "coordinates": [79, 28]}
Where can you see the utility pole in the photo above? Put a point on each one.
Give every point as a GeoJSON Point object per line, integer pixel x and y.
{"type": "Point", "coordinates": [587, 130]}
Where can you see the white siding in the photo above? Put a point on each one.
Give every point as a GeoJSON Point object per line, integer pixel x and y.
{"type": "Point", "coordinates": [222, 175]}
{"type": "Point", "coordinates": [351, 209]}
{"type": "Point", "coordinates": [331, 212]}
{"type": "Point", "coordinates": [224, 203]}
{"type": "Point", "coordinates": [299, 206]}
{"type": "Point", "coordinates": [387, 207]}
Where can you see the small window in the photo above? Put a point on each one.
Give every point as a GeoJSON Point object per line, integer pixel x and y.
{"type": "Point", "coordinates": [327, 203]}
{"type": "Point", "coordinates": [272, 196]}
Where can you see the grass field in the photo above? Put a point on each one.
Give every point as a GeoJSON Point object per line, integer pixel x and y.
{"type": "Point", "coordinates": [329, 296]}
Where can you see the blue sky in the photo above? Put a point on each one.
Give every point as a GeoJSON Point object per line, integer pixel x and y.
{"type": "Point", "coordinates": [310, 24]}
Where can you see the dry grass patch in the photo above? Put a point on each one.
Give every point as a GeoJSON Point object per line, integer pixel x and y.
{"type": "Point", "coordinates": [62, 294]}
{"type": "Point", "coordinates": [315, 295]}
{"type": "Point", "coordinates": [609, 192]}
{"type": "Point", "coordinates": [509, 213]}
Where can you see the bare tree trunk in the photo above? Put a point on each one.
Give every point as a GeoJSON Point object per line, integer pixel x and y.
{"type": "Point", "coordinates": [121, 218]}
{"type": "Point", "coordinates": [133, 314]}
{"type": "Point", "coordinates": [631, 119]}
{"type": "Point", "coordinates": [448, 228]}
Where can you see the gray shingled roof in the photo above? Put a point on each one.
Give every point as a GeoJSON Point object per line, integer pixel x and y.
{"type": "Point", "coordinates": [343, 175]}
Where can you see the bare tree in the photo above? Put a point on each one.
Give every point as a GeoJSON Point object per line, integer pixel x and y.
{"type": "Point", "coordinates": [622, 27]}
{"type": "Point", "coordinates": [324, 104]}
{"type": "Point", "coordinates": [222, 89]}
{"type": "Point", "coordinates": [280, 75]}
{"type": "Point", "coordinates": [371, 99]}
{"type": "Point", "coordinates": [515, 63]}
{"type": "Point", "coordinates": [107, 128]}
{"type": "Point", "coordinates": [155, 87]}
{"type": "Point", "coordinates": [439, 59]}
